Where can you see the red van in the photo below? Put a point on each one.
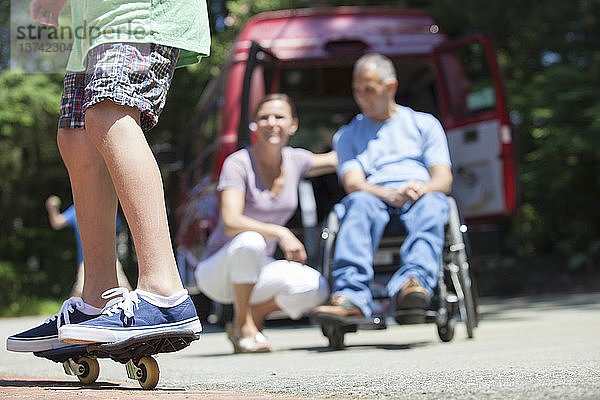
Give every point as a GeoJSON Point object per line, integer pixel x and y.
{"type": "Point", "coordinates": [309, 54]}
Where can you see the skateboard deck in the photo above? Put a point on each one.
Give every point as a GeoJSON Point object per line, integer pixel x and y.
{"type": "Point", "coordinates": [136, 353]}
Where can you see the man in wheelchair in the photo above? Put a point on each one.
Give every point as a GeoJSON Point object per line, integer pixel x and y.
{"type": "Point", "coordinates": [395, 166]}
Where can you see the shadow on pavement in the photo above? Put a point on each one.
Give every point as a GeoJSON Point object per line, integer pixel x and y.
{"type": "Point", "coordinates": [380, 346]}
{"type": "Point", "coordinates": [49, 383]}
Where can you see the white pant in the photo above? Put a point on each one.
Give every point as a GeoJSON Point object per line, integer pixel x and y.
{"type": "Point", "coordinates": [296, 288]}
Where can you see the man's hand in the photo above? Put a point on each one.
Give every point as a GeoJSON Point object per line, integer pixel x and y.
{"type": "Point", "coordinates": [396, 197]}
{"type": "Point", "coordinates": [46, 11]}
{"type": "Point", "coordinates": [412, 191]}
{"type": "Point", "coordinates": [292, 248]}
{"type": "Point", "coordinates": [415, 190]}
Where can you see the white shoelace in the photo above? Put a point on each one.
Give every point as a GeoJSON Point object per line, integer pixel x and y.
{"type": "Point", "coordinates": [68, 306]}
{"type": "Point", "coordinates": [126, 302]}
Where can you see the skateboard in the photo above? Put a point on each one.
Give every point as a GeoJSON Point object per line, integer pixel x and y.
{"type": "Point", "coordinates": [334, 327]}
{"type": "Point", "coordinates": [136, 353]}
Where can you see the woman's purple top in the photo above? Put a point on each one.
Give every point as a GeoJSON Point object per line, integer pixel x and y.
{"type": "Point", "coordinates": [239, 172]}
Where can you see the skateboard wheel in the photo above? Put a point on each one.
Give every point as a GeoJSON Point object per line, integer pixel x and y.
{"type": "Point", "coordinates": [90, 372]}
{"type": "Point", "coordinates": [148, 372]}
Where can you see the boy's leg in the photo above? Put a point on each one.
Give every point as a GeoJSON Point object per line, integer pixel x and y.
{"type": "Point", "coordinates": [115, 131]}
{"type": "Point", "coordinates": [96, 206]}
{"type": "Point", "coordinates": [126, 85]}
{"type": "Point", "coordinates": [159, 304]}
{"type": "Point", "coordinates": [75, 310]}
{"type": "Point", "coordinates": [122, 279]}
{"type": "Point", "coordinates": [90, 183]}
{"type": "Point", "coordinates": [78, 284]}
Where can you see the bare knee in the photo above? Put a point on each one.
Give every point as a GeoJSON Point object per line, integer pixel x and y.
{"type": "Point", "coordinates": [77, 150]}
{"type": "Point", "coordinates": [69, 140]}
{"type": "Point", "coordinates": [96, 118]}
{"type": "Point", "coordinates": [101, 117]}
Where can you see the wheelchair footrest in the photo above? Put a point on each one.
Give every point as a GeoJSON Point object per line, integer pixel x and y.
{"type": "Point", "coordinates": [350, 324]}
{"type": "Point", "coordinates": [414, 316]}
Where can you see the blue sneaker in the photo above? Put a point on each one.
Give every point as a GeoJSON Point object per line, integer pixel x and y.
{"type": "Point", "coordinates": [132, 314]}
{"type": "Point", "coordinates": [45, 336]}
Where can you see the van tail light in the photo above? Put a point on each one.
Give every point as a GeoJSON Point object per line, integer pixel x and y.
{"type": "Point", "coordinates": [508, 166]}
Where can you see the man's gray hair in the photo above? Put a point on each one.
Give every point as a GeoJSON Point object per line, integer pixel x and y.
{"type": "Point", "coordinates": [380, 63]}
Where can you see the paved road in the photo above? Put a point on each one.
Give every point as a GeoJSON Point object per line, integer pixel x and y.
{"type": "Point", "coordinates": [526, 348]}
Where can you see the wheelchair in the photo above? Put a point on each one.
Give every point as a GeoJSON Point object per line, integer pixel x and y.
{"type": "Point", "coordinates": [453, 300]}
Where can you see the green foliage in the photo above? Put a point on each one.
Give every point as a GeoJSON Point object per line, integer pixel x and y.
{"type": "Point", "coordinates": [560, 167]}
{"type": "Point", "coordinates": [4, 34]}
{"type": "Point", "coordinates": [552, 82]}
{"type": "Point", "coordinates": [28, 151]}
{"type": "Point", "coordinates": [33, 261]}
{"type": "Point", "coordinates": [549, 53]}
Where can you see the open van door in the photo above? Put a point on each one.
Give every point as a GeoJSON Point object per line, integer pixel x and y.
{"type": "Point", "coordinates": [260, 78]}
{"type": "Point", "coordinates": [476, 121]}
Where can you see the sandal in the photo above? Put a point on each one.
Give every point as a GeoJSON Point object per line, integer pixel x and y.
{"type": "Point", "coordinates": [258, 344]}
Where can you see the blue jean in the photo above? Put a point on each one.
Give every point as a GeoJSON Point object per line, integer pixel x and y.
{"type": "Point", "coordinates": [363, 222]}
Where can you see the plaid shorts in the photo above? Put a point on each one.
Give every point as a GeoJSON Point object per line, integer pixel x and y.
{"type": "Point", "coordinates": [130, 74]}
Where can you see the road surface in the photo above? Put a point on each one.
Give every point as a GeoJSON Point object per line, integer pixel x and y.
{"type": "Point", "coordinates": [524, 348]}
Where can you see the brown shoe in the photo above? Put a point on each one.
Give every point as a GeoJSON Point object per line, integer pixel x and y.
{"type": "Point", "coordinates": [412, 295]}
{"type": "Point", "coordinates": [340, 306]}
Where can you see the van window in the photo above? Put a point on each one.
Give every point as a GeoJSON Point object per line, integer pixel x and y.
{"type": "Point", "coordinates": [417, 85]}
{"type": "Point", "coordinates": [324, 101]}
{"type": "Point", "coordinates": [323, 96]}
{"type": "Point", "coordinates": [468, 80]}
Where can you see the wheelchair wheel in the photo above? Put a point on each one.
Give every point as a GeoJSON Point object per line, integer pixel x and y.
{"type": "Point", "coordinates": [335, 336]}
{"type": "Point", "coordinates": [446, 331]}
{"type": "Point", "coordinates": [459, 271]}
{"type": "Point", "coordinates": [468, 305]}
{"type": "Point", "coordinates": [328, 235]}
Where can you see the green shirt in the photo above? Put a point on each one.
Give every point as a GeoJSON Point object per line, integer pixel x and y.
{"type": "Point", "coordinates": [177, 23]}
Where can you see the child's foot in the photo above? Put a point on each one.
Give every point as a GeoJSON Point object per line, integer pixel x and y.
{"type": "Point", "coordinates": [45, 336]}
{"type": "Point", "coordinates": [132, 314]}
